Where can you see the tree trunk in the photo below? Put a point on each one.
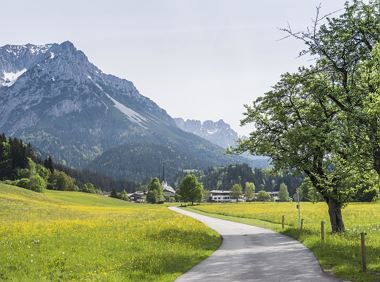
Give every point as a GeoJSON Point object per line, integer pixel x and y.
{"type": "Point", "coordinates": [336, 219]}
{"type": "Point", "coordinates": [376, 160]}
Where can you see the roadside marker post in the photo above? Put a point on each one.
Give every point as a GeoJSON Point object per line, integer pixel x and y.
{"type": "Point", "coordinates": [283, 222]}
{"type": "Point", "coordinates": [299, 210]}
{"type": "Point", "coordinates": [322, 231]}
{"type": "Point", "coordinates": [364, 254]}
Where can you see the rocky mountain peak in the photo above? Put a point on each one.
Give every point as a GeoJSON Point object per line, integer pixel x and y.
{"type": "Point", "coordinates": [218, 132]}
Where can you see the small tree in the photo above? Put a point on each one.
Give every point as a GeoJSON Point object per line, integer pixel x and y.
{"type": "Point", "coordinates": [284, 193]}
{"type": "Point", "coordinates": [113, 193]}
{"type": "Point", "coordinates": [190, 190]}
{"type": "Point", "coordinates": [205, 195]}
{"type": "Point", "coordinates": [61, 181]}
{"type": "Point", "coordinates": [155, 192]}
{"type": "Point", "coordinates": [89, 188]}
{"type": "Point", "coordinates": [236, 191]}
{"type": "Point", "coordinates": [249, 190]}
{"type": "Point", "coordinates": [124, 196]}
{"type": "Point", "coordinates": [37, 183]}
{"type": "Point", "coordinates": [263, 196]}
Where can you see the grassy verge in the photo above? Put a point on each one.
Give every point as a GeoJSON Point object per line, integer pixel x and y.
{"type": "Point", "coordinates": [61, 236]}
{"type": "Point", "coordinates": [340, 254]}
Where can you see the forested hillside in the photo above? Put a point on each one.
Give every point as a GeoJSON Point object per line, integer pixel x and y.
{"type": "Point", "coordinates": [223, 178]}
{"type": "Point", "coordinates": [24, 167]}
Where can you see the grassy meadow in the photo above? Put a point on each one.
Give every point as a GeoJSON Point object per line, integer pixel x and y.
{"type": "Point", "coordinates": [61, 236]}
{"type": "Point", "coordinates": [340, 254]}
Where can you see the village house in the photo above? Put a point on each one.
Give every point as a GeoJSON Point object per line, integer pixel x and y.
{"type": "Point", "coordinates": [138, 197]}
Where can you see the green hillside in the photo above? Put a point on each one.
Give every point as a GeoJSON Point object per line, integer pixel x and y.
{"type": "Point", "coordinates": [77, 236]}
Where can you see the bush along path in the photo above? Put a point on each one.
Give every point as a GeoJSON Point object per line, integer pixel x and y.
{"type": "Point", "coordinates": [250, 253]}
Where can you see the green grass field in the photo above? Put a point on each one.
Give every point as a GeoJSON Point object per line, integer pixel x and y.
{"type": "Point", "coordinates": [61, 236]}
{"type": "Point", "coordinates": [340, 254]}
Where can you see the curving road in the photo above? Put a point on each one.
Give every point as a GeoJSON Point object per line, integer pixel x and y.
{"type": "Point", "coordinates": [250, 253]}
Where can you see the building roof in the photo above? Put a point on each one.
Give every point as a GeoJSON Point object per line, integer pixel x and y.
{"type": "Point", "coordinates": [220, 192]}
{"type": "Point", "coordinates": [167, 187]}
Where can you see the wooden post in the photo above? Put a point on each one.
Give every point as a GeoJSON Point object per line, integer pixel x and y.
{"type": "Point", "coordinates": [283, 222]}
{"type": "Point", "coordinates": [322, 231]}
{"type": "Point", "coordinates": [300, 230]}
{"type": "Point", "coordinates": [364, 255]}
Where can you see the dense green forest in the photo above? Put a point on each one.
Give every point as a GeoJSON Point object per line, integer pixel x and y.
{"type": "Point", "coordinates": [104, 182]}
{"type": "Point", "coordinates": [24, 167]}
{"type": "Point", "coordinates": [223, 178]}
{"type": "Point", "coordinates": [14, 155]}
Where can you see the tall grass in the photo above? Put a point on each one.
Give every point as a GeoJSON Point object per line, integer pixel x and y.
{"type": "Point", "coordinates": [61, 236]}
{"type": "Point", "coordinates": [340, 254]}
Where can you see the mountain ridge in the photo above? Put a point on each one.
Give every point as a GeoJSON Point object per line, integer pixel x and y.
{"type": "Point", "coordinates": [66, 106]}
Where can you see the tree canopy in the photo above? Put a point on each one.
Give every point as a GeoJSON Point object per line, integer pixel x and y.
{"type": "Point", "coordinates": [190, 190]}
{"type": "Point", "coordinates": [155, 192]}
{"type": "Point", "coordinates": [283, 194]}
{"type": "Point", "coordinates": [236, 191]}
{"type": "Point", "coordinates": [249, 190]}
{"type": "Point", "coordinates": [323, 121]}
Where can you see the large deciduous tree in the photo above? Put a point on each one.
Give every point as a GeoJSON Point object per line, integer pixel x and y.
{"type": "Point", "coordinates": [190, 190]}
{"type": "Point", "coordinates": [300, 129]}
{"type": "Point", "coordinates": [324, 121]}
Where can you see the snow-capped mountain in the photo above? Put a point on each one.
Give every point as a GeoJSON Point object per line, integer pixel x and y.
{"type": "Point", "coordinates": [53, 97]}
{"type": "Point", "coordinates": [219, 132]}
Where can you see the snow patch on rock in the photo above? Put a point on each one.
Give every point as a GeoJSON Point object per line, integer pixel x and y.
{"type": "Point", "coordinates": [9, 78]}
{"type": "Point", "coordinates": [131, 114]}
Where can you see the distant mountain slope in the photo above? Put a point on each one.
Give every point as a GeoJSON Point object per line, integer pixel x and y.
{"type": "Point", "coordinates": [53, 97]}
{"type": "Point", "coordinates": [219, 133]}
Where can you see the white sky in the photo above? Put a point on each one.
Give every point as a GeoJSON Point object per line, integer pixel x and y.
{"type": "Point", "coordinates": [200, 59]}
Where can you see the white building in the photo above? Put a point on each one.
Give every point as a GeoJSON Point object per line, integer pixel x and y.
{"type": "Point", "coordinates": [220, 196]}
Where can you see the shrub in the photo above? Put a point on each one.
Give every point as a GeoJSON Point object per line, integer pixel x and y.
{"type": "Point", "coordinates": [37, 183]}
{"type": "Point", "coordinates": [89, 188]}
{"type": "Point", "coordinates": [263, 196]}
{"type": "Point", "coordinates": [23, 183]}
{"type": "Point", "coordinates": [23, 173]}
{"type": "Point", "coordinates": [61, 181]}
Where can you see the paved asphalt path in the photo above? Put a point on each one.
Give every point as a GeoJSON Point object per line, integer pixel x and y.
{"type": "Point", "coordinates": [250, 253]}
